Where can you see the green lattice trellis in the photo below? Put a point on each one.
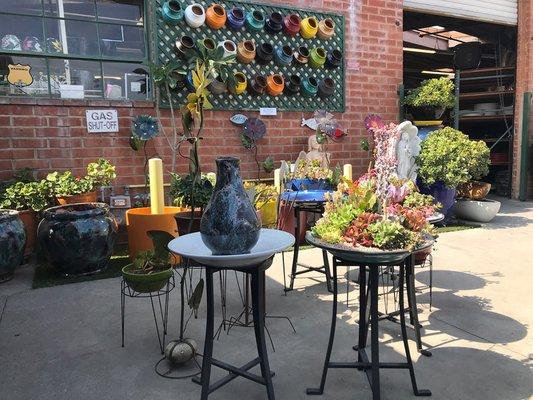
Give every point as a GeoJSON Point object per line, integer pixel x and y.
{"type": "Point", "coordinates": [166, 35]}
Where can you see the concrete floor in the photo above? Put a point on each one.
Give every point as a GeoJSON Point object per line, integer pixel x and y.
{"type": "Point", "coordinates": [64, 342]}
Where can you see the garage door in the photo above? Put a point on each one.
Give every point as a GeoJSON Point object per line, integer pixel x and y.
{"type": "Point", "coordinates": [496, 11]}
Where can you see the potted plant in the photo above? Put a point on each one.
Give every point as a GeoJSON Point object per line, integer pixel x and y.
{"type": "Point", "coordinates": [12, 242]}
{"type": "Point", "coordinates": [265, 200]}
{"type": "Point", "coordinates": [447, 159]}
{"type": "Point", "coordinates": [428, 101]}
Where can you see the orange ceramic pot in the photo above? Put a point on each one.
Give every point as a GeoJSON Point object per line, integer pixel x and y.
{"type": "Point", "coordinates": [215, 16]}
{"type": "Point", "coordinates": [141, 220]}
{"type": "Point", "coordinates": [30, 219]}
{"type": "Point", "coordinates": [90, 197]}
{"type": "Point", "coordinates": [275, 85]}
{"type": "Point", "coordinates": [246, 51]}
{"type": "Point", "coordinates": [326, 29]}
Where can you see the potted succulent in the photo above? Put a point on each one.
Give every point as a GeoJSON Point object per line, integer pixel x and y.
{"type": "Point", "coordinates": [12, 242]}
{"type": "Point", "coordinates": [428, 101]}
{"type": "Point", "coordinates": [448, 158]}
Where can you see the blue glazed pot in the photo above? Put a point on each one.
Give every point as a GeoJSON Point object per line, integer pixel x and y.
{"type": "Point", "coordinates": [283, 55]}
{"type": "Point", "coordinates": [236, 18]}
{"type": "Point", "coordinates": [230, 224]}
{"type": "Point", "coordinates": [78, 239]}
{"type": "Point", "coordinates": [441, 193]}
{"type": "Point", "coordinates": [255, 21]}
{"type": "Point", "coordinates": [172, 11]}
{"type": "Point", "coordinates": [309, 184]}
{"type": "Point", "coordinates": [12, 243]}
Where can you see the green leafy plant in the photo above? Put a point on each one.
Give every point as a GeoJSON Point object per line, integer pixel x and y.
{"type": "Point", "coordinates": [390, 235]}
{"type": "Point", "coordinates": [101, 172]}
{"type": "Point", "coordinates": [181, 191]}
{"type": "Point", "coordinates": [156, 260]}
{"type": "Point", "coordinates": [22, 196]}
{"type": "Point", "coordinates": [449, 156]}
{"type": "Point", "coordinates": [436, 92]}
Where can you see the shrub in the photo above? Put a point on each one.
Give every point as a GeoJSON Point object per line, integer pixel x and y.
{"type": "Point", "coordinates": [437, 92]}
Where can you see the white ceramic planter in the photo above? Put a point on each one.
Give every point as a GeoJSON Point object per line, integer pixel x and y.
{"type": "Point", "coordinates": [230, 48]}
{"type": "Point", "coordinates": [195, 15]}
{"type": "Point", "coordinates": [477, 210]}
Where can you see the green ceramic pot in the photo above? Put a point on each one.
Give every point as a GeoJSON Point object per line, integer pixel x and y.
{"type": "Point", "coordinates": [172, 11]}
{"type": "Point", "coordinates": [12, 243]}
{"type": "Point", "coordinates": [144, 283]}
{"type": "Point", "coordinates": [255, 21]}
{"type": "Point", "coordinates": [317, 58]}
{"type": "Point", "coordinates": [309, 87]}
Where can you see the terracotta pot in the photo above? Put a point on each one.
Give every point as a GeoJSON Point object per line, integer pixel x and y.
{"type": "Point", "coordinates": [274, 23]}
{"type": "Point", "coordinates": [275, 85]}
{"type": "Point", "coordinates": [30, 219]}
{"type": "Point", "coordinates": [317, 58]}
{"type": "Point", "coordinates": [287, 220]}
{"type": "Point", "coordinates": [230, 49]}
{"type": "Point", "coordinates": [215, 16]}
{"type": "Point", "coordinates": [195, 15]}
{"type": "Point", "coordinates": [236, 18]}
{"type": "Point", "coordinates": [141, 220]}
{"type": "Point", "coordinates": [291, 24]}
{"type": "Point", "coordinates": [334, 59]}
{"type": "Point", "coordinates": [172, 11]}
{"type": "Point", "coordinates": [309, 86]}
{"type": "Point", "coordinates": [474, 190]}
{"type": "Point", "coordinates": [241, 83]}
{"type": "Point", "coordinates": [301, 56]}
{"type": "Point", "coordinates": [257, 85]}
{"type": "Point", "coordinates": [421, 255]}
{"type": "Point", "coordinates": [283, 55]}
{"type": "Point", "coordinates": [292, 86]}
{"type": "Point", "coordinates": [183, 221]}
{"type": "Point", "coordinates": [255, 21]}
{"type": "Point", "coordinates": [184, 47]}
{"type": "Point", "coordinates": [246, 51]}
{"type": "Point", "coordinates": [326, 88]}
{"type": "Point", "coordinates": [264, 53]}
{"type": "Point", "coordinates": [326, 29]}
{"type": "Point", "coordinates": [90, 197]}
{"type": "Point", "coordinates": [309, 27]}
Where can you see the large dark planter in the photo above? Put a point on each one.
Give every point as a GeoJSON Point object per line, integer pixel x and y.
{"type": "Point", "coordinates": [183, 221]}
{"type": "Point", "coordinates": [12, 242]}
{"type": "Point", "coordinates": [441, 193]}
{"type": "Point", "coordinates": [426, 113]}
{"type": "Point", "coordinates": [230, 224]}
{"type": "Point", "coordinates": [78, 239]}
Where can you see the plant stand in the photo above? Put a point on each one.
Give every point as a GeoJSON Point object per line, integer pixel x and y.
{"type": "Point", "coordinates": [127, 291]}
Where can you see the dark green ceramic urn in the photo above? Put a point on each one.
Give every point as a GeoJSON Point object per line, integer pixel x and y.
{"type": "Point", "coordinates": [12, 243]}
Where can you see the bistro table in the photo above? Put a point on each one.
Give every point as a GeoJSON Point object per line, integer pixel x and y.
{"type": "Point", "coordinates": [255, 263]}
{"type": "Point", "coordinates": [345, 256]}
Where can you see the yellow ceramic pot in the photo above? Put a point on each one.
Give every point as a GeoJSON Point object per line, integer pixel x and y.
{"type": "Point", "coordinates": [269, 212]}
{"type": "Point", "coordinates": [309, 27]}
{"type": "Point", "coordinates": [241, 82]}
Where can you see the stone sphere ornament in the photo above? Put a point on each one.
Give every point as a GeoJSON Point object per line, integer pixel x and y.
{"type": "Point", "coordinates": [181, 351]}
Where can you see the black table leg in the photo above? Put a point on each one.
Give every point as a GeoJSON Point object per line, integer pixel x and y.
{"type": "Point", "coordinates": [374, 333]}
{"type": "Point", "coordinates": [320, 390]}
{"type": "Point", "coordinates": [327, 270]}
{"type": "Point", "coordinates": [258, 310]}
{"type": "Point", "coordinates": [417, 392]}
{"type": "Point", "coordinates": [208, 345]}
{"type": "Point", "coordinates": [296, 248]}
{"type": "Point", "coordinates": [363, 322]}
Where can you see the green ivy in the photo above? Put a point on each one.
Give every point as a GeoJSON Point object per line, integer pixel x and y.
{"type": "Point", "coordinates": [21, 196]}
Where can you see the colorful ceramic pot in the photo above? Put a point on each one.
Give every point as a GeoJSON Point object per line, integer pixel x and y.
{"type": "Point", "coordinates": [146, 283]}
{"type": "Point", "coordinates": [283, 55]}
{"type": "Point", "coordinates": [215, 16]}
{"type": "Point", "coordinates": [255, 21]}
{"type": "Point", "coordinates": [217, 86]}
{"type": "Point", "coordinates": [89, 197]}
{"type": "Point", "coordinates": [333, 59]}
{"type": "Point", "coordinates": [292, 86]}
{"type": "Point", "coordinates": [230, 224]}
{"type": "Point", "coordinates": [274, 23]}
{"type": "Point", "coordinates": [195, 15]}
{"type": "Point", "coordinates": [78, 239]}
{"type": "Point", "coordinates": [441, 193]}
{"type": "Point", "coordinates": [275, 85]}
{"type": "Point", "coordinates": [240, 87]}
{"type": "Point", "coordinates": [309, 87]}
{"type": "Point", "coordinates": [189, 82]}
{"type": "Point", "coordinates": [326, 29]}
{"type": "Point", "coordinates": [236, 18]}
{"type": "Point", "coordinates": [309, 27]}
{"type": "Point", "coordinates": [230, 49]}
{"type": "Point", "coordinates": [301, 56]}
{"type": "Point", "coordinates": [291, 24]}
{"type": "Point", "coordinates": [264, 53]}
{"type": "Point", "coordinates": [184, 47]}
{"type": "Point", "coordinates": [172, 12]}
{"type": "Point", "coordinates": [208, 44]}
{"type": "Point", "coordinates": [317, 58]}
{"type": "Point", "coordinates": [246, 51]}
{"type": "Point", "coordinates": [12, 243]}
{"type": "Point", "coordinates": [326, 88]}
{"type": "Point", "coordinates": [257, 85]}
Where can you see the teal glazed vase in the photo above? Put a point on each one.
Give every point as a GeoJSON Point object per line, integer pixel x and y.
{"type": "Point", "coordinates": [309, 87]}
{"type": "Point", "coordinates": [12, 243]}
{"type": "Point", "coordinates": [172, 11]}
{"type": "Point", "coordinates": [78, 239]}
{"type": "Point", "coordinates": [230, 224]}
{"type": "Point", "coordinates": [255, 21]}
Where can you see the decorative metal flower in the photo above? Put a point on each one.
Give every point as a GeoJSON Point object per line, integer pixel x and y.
{"type": "Point", "coordinates": [254, 129]}
{"type": "Point", "coordinates": [327, 127]}
{"type": "Point", "coordinates": [373, 121]}
{"type": "Point", "coordinates": [145, 127]}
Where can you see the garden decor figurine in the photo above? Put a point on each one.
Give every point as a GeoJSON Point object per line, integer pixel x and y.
{"type": "Point", "coordinates": [317, 151]}
{"type": "Point", "coordinates": [407, 149]}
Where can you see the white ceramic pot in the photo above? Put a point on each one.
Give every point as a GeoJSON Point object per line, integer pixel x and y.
{"type": "Point", "coordinates": [230, 48]}
{"type": "Point", "coordinates": [476, 210]}
{"type": "Point", "coordinates": [195, 15]}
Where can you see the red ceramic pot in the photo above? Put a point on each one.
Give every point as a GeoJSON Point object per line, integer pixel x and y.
{"type": "Point", "coordinates": [291, 24]}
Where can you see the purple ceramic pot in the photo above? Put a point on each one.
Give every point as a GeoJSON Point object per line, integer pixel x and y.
{"type": "Point", "coordinates": [441, 193]}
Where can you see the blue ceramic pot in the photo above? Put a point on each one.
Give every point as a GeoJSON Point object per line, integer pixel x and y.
{"type": "Point", "coordinates": [309, 184]}
{"type": "Point", "coordinates": [172, 11]}
{"type": "Point", "coordinates": [78, 239]}
{"type": "Point", "coordinates": [283, 55]}
{"type": "Point", "coordinates": [12, 243]}
{"type": "Point", "coordinates": [441, 193]}
{"type": "Point", "coordinates": [230, 224]}
{"type": "Point", "coordinates": [236, 18]}
{"type": "Point", "coordinates": [424, 131]}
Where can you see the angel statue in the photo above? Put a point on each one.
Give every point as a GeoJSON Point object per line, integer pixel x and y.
{"type": "Point", "coordinates": [407, 149]}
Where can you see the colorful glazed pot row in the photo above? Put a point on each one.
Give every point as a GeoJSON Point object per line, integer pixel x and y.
{"type": "Point", "coordinates": [247, 51]}
{"type": "Point", "coordinates": [274, 85]}
{"type": "Point", "coordinates": [216, 17]}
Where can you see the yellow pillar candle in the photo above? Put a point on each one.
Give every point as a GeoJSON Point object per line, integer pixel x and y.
{"type": "Point", "coordinates": [277, 179]}
{"type": "Point", "coordinates": [347, 171]}
{"type": "Point", "coordinates": [157, 191]}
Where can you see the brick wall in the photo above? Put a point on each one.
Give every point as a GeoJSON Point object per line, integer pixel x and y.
{"type": "Point", "coordinates": [51, 135]}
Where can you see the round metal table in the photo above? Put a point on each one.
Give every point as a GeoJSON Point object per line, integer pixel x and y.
{"type": "Point", "coordinates": [255, 263]}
